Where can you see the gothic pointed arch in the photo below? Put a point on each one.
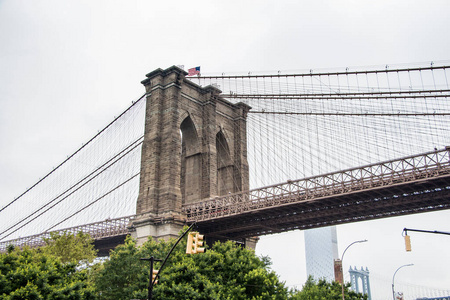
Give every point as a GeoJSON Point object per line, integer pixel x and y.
{"type": "Point", "coordinates": [226, 182]}
{"type": "Point", "coordinates": [179, 156]}
{"type": "Point", "coordinates": [190, 177]}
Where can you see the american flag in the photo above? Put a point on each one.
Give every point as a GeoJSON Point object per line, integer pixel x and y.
{"type": "Point", "coordinates": [194, 71]}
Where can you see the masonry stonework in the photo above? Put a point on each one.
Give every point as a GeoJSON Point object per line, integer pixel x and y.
{"type": "Point", "coordinates": [195, 148]}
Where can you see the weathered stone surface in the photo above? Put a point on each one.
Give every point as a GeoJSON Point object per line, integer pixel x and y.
{"type": "Point", "coordinates": [195, 147]}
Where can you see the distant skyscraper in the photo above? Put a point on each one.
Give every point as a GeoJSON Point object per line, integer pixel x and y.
{"type": "Point", "coordinates": [321, 250]}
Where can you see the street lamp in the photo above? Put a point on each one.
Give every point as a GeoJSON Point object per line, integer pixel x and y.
{"type": "Point", "coordinates": [342, 264]}
{"type": "Point", "coordinates": [393, 277]}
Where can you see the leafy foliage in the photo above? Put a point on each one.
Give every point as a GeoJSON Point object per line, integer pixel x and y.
{"type": "Point", "coordinates": [227, 271]}
{"type": "Point", "coordinates": [29, 274]}
{"type": "Point", "coordinates": [71, 248]}
{"type": "Point", "coordinates": [321, 289]}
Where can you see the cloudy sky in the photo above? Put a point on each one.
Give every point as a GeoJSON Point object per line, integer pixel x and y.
{"type": "Point", "coordinates": [68, 67]}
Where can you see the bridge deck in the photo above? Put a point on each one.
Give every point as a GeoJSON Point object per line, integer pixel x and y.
{"type": "Point", "coordinates": [103, 232]}
{"type": "Point", "coordinates": [404, 186]}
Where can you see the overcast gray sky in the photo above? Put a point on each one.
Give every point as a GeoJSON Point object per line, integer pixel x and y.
{"type": "Point", "coordinates": [68, 67]}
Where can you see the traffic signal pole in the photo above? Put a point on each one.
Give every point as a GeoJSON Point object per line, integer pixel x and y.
{"type": "Point", "coordinates": [408, 239]}
{"type": "Point", "coordinates": [152, 280]}
{"type": "Point", "coordinates": [426, 231]}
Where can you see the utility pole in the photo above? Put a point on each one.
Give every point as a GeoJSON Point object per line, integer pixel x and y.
{"type": "Point", "coordinates": [393, 278]}
{"type": "Point", "coordinates": [342, 261]}
{"type": "Point", "coordinates": [153, 279]}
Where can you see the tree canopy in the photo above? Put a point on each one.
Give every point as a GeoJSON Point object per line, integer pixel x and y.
{"type": "Point", "coordinates": [30, 274]}
{"type": "Point", "coordinates": [323, 290]}
{"type": "Point", "coordinates": [72, 248]}
{"type": "Point", "coordinates": [226, 271]}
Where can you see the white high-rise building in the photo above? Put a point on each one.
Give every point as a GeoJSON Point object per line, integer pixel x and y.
{"type": "Point", "coordinates": [321, 250]}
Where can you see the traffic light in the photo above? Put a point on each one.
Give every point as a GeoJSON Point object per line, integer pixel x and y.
{"type": "Point", "coordinates": [408, 243]}
{"type": "Point", "coordinates": [198, 243]}
{"type": "Point", "coordinates": [190, 243]}
{"type": "Point", "coordinates": [195, 243]}
{"type": "Point", "coordinates": [154, 274]}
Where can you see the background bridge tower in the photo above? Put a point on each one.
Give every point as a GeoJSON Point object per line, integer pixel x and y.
{"type": "Point", "coordinates": [195, 147]}
{"type": "Point", "coordinates": [360, 276]}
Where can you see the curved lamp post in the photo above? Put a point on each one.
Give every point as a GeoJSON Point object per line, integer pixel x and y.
{"type": "Point", "coordinates": [393, 277]}
{"type": "Point", "coordinates": [342, 262]}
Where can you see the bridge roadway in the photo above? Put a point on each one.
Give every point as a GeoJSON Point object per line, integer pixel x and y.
{"type": "Point", "coordinates": [408, 185]}
{"type": "Point", "coordinates": [404, 186]}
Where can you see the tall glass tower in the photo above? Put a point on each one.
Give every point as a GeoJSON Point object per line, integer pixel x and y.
{"type": "Point", "coordinates": [321, 250]}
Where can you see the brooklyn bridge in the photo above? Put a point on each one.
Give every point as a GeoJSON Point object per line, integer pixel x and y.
{"type": "Point", "coordinates": [250, 155]}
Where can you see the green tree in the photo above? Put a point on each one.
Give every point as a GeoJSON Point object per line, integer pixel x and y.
{"type": "Point", "coordinates": [30, 274]}
{"type": "Point", "coordinates": [321, 289]}
{"type": "Point", "coordinates": [226, 271]}
{"type": "Point", "coordinates": [71, 248]}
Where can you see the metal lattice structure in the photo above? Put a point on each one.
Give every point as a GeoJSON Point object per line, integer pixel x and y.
{"type": "Point", "coordinates": [300, 126]}
{"type": "Point", "coordinates": [98, 231]}
{"type": "Point", "coordinates": [404, 186]}
{"type": "Point", "coordinates": [409, 169]}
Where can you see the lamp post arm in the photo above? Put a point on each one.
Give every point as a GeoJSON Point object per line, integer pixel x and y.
{"type": "Point", "coordinates": [343, 253]}
{"type": "Point", "coordinates": [393, 277]}
{"type": "Point", "coordinates": [362, 241]}
{"type": "Point", "coordinates": [342, 265]}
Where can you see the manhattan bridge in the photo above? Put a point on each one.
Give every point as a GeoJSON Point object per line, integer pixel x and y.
{"type": "Point", "coordinates": [301, 150]}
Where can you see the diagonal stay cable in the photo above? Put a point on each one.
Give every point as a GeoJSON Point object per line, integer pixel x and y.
{"type": "Point", "coordinates": [93, 202]}
{"type": "Point", "coordinates": [73, 154]}
{"type": "Point", "coordinates": [27, 239]}
{"type": "Point", "coordinates": [79, 182]}
{"type": "Point", "coordinates": [71, 193]}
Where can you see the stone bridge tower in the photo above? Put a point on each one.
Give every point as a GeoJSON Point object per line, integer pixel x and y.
{"type": "Point", "coordinates": [195, 147]}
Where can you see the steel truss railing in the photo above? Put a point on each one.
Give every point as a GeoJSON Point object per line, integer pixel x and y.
{"type": "Point", "coordinates": [407, 169]}
{"type": "Point", "coordinates": [97, 230]}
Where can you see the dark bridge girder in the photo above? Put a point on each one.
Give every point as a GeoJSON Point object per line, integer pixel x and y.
{"type": "Point", "coordinates": [387, 201]}
{"type": "Point", "coordinates": [406, 186]}
{"type": "Point", "coordinates": [104, 245]}
{"type": "Point", "coordinates": [431, 194]}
